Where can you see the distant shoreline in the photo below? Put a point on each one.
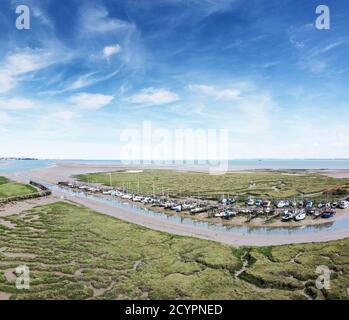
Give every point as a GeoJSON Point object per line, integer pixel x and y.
{"type": "Point", "coordinates": [18, 159]}
{"type": "Point", "coordinates": [335, 168]}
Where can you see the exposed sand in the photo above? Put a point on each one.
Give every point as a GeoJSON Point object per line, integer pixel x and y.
{"type": "Point", "coordinates": [340, 173]}
{"type": "Point", "coordinates": [65, 171]}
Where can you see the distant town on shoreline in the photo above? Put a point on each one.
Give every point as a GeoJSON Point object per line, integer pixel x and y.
{"type": "Point", "coordinates": [14, 158]}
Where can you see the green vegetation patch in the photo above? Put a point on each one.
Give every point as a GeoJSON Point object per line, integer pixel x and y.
{"type": "Point", "coordinates": [269, 184]}
{"type": "Point", "coordinates": [3, 180]}
{"type": "Point", "coordinates": [11, 189]}
{"type": "Point", "coordinates": [76, 253]}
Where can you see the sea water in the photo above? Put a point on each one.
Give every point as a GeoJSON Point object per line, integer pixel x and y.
{"type": "Point", "coordinates": [14, 166]}
{"type": "Point", "coordinates": [239, 164]}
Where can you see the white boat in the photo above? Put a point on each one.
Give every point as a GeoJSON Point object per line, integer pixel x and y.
{"type": "Point", "coordinates": [288, 215]}
{"type": "Point", "coordinates": [267, 210]}
{"type": "Point", "coordinates": [228, 214]}
{"type": "Point", "coordinates": [197, 210]}
{"type": "Point", "coordinates": [147, 200]}
{"type": "Point", "coordinates": [281, 204]}
{"type": "Point", "coordinates": [317, 214]}
{"type": "Point", "coordinates": [250, 202]}
{"type": "Point", "coordinates": [188, 206]}
{"type": "Point", "coordinates": [219, 214]}
{"type": "Point", "coordinates": [177, 207]}
{"type": "Point", "coordinates": [334, 205]}
{"type": "Point", "coordinates": [343, 204]}
{"type": "Point", "coordinates": [300, 215]}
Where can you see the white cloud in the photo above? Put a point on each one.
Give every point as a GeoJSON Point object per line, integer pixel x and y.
{"type": "Point", "coordinates": [111, 50]}
{"type": "Point", "coordinates": [16, 104]}
{"type": "Point", "coordinates": [82, 81]}
{"type": "Point", "coordinates": [7, 81]}
{"type": "Point", "coordinates": [95, 19]}
{"type": "Point", "coordinates": [64, 115]}
{"type": "Point", "coordinates": [152, 96]}
{"type": "Point", "coordinates": [90, 79]}
{"type": "Point", "coordinates": [28, 61]}
{"type": "Point", "coordinates": [331, 46]}
{"type": "Point", "coordinates": [19, 64]}
{"type": "Point", "coordinates": [90, 101]}
{"type": "Point", "coordinates": [217, 93]}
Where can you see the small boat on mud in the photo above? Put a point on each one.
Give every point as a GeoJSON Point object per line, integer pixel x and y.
{"type": "Point", "coordinates": [197, 210]}
{"type": "Point", "coordinates": [176, 207]}
{"type": "Point", "coordinates": [300, 215]}
{"type": "Point", "coordinates": [328, 213]}
{"type": "Point", "coordinates": [288, 215]}
{"type": "Point", "coordinates": [317, 214]}
{"type": "Point", "coordinates": [343, 204]}
{"type": "Point", "coordinates": [220, 214]}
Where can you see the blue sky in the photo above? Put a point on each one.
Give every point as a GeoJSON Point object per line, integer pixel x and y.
{"type": "Point", "coordinates": [86, 70]}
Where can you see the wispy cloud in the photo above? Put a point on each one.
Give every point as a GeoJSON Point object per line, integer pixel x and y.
{"type": "Point", "coordinates": [96, 19]}
{"type": "Point", "coordinates": [89, 101]}
{"type": "Point", "coordinates": [89, 79]}
{"type": "Point", "coordinates": [23, 63]}
{"type": "Point", "coordinates": [332, 46]}
{"type": "Point", "coordinates": [215, 92]}
{"type": "Point", "coordinates": [152, 96]}
{"type": "Point", "coordinates": [16, 104]}
{"type": "Point", "coordinates": [313, 52]}
{"type": "Point", "coordinates": [64, 115]}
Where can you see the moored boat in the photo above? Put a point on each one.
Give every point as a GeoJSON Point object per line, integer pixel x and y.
{"type": "Point", "coordinates": [300, 215]}
{"type": "Point", "coordinates": [288, 215]}
{"type": "Point", "coordinates": [328, 213]}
